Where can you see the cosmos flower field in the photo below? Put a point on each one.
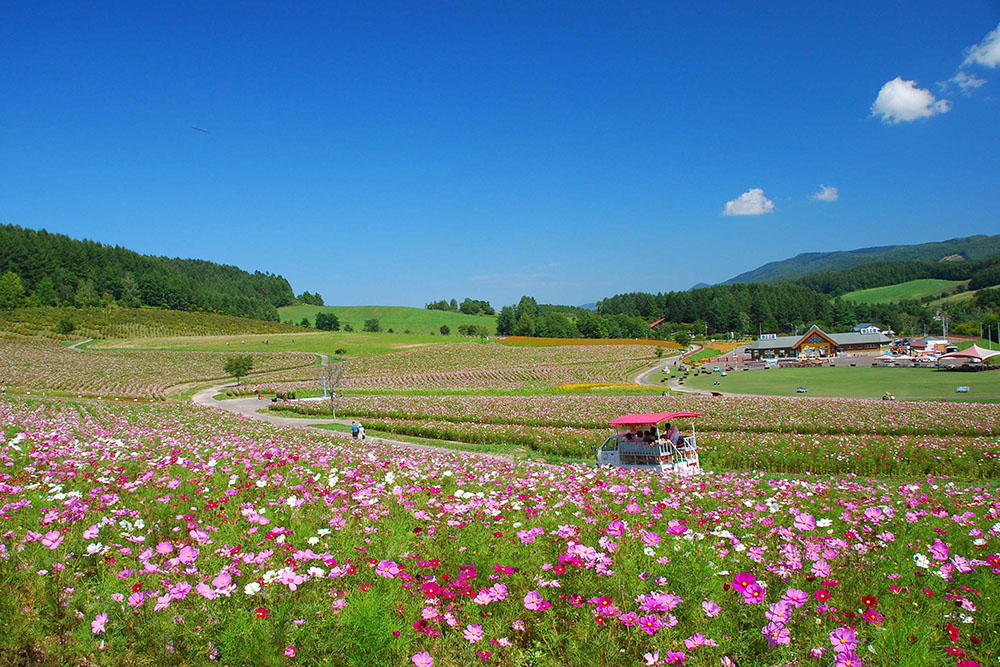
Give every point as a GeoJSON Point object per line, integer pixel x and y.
{"type": "Point", "coordinates": [169, 534]}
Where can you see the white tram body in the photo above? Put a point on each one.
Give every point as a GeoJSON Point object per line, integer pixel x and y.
{"type": "Point", "coordinates": [640, 442]}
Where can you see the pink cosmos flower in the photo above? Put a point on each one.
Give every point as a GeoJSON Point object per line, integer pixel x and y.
{"type": "Point", "coordinates": [97, 625]}
{"type": "Point", "coordinates": [652, 658]}
{"type": "Point", "coordinates": [473, 633]}
{"type": "Point", "coordinates": [616, 528]}
{"type": "Point", "coordinates": [753, 594]}
{"type": "Point", "coordinates": [135, 599]}
{"type": "Point", "coordinates": [423, 659]}
{"type": "Point", "coordinates": [387, 569]}
{"type": "Point", "coordinates": [776, 634]}
{"type": "Point", "coordinates": [805, 522]}
{"type": "Point", "coordinates": [533, 601]}
{"type": "Point", "coordinates": [711, 608]}
{"type": "Point", "coordinates": [843, 640]}
{"type": "Point", "coordinates": [694, 641]}
{"type": "Point", "coordinates": [290, 651]}
{"type": "Point", "coordinates": [162, 602]}
{"type": "Point", "coordinates": [222, 581]}
{"type": "Point", "coordinates": [650, 538]}
{"type": "Point", "coordinates": [52, 539]}
{"type": "Point", "coordinates": [848, 659]}
{"type": "Point", "coordinates": [188, 555]}
{"type": "Point", "coordinates": [778, 613]}
{"type": "Point", "coordinates": [676, 657]}
{"type": "Point", "coordinates": [795, 597]}
{"type": "Point", "coordinates": [742, 580]}
{"type": "Point", "coordinates": [651, 624]}
{"type": "Point", "coordinates": [164, 548]}
{"type": "Point", "coordinates": [939, 550]}
{"type": "Point", "coordinates": [676, 528]}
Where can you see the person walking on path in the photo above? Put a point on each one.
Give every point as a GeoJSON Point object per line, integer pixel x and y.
{"type": "Point", "coordinates": [361, 432]}
{"type": "Point", "coordinates": [355, 429]}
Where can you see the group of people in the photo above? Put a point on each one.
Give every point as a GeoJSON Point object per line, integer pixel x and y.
{"type": "Point", "coordinates": [652, 437]}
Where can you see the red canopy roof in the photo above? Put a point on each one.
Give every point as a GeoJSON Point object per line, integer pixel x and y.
{"type": "Point", "coordinates": [650, 419]}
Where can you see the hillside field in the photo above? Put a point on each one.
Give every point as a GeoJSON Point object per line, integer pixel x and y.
{"type": "Point", "coordinates": [397, 318]}
{"type": "Point", "coordinates": [858, 382]}
{"type": "Point", "coordinates": [116, 322]}
{"type": "Point", "coordinates": [912, 290]}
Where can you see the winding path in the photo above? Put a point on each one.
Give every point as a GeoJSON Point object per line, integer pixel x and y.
{"type": "Point", "coordinates": [672, 383]}
{"type": "Point", "coordinates": [248, 407]}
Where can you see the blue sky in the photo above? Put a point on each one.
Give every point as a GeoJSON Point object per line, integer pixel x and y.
{"type": "Point", "coordinates": [398, 153]}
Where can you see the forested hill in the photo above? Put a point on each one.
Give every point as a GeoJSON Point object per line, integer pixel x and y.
{"type": "Point", "coordinates": [54, 269]}
{"type": "Point", "coordinates": [970, 247]}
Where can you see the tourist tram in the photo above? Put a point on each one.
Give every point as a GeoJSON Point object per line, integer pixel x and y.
{"type": "Point", "coordinates": [644, 441]}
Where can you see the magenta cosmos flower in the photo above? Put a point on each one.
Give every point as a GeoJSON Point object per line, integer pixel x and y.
{"type": "Point", "coordinates": [534, 601]}
{"type": "Point", "coordinates": [473, 633]}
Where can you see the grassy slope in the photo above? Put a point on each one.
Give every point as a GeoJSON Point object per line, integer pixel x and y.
{"type": "Point", "coordinates": [859, 382]}
{"type": "Point", "coordinates": [398, 318]}
{"type": "Point", "coordinates": [356, 344]}
{"type": "Point", "coordinates": [128, 323]}
{"type": "Point", "coordinates": [914, 289]}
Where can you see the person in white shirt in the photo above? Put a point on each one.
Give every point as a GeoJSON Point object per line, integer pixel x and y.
{"type": "Point", "coordinates": [674, 435]}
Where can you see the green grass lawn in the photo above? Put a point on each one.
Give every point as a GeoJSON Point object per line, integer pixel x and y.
{"type": "Point", "coordinates": [858, 382]}
{"type": "Point", "coordinates": [322, 342]}
{"type": "Point", "coordinates": [703, 353]}
{"type": "Point", "coordinates": [914, 289]}
{"type": "Point", "coordinates": [398, 318]}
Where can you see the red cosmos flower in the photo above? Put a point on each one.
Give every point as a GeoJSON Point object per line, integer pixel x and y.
{"type": "Point", "coordinates": [928, 592]}
{"type": "Point", "coordinates": [136, 587]}
{"type": "Point", "coordinates": [261, 613]}
{"type": "Point", "coordinates": [974, 639]}
{"type": "Point", "coordinates": [953, 633]}
{"type": "Point", "coordinates": [968, 663]}
{"type": "Point", "coordinates": [955, 651]}
{"type": "Point", "coordinates": [869, 601]}
{"type": "Point", "coordinates": [822, 595]}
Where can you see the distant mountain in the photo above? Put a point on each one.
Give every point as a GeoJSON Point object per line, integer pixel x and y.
{"type": "Point", "coordinates": [969, 247]}
{"type": "Point", "coordinates": [700, 286]}
{"type": "Point", "coordinates": [589, 306]}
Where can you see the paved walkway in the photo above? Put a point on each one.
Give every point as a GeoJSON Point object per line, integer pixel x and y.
{"type": "Point", "coordinates": [248, 407]}
{"type": "Point", "coordinates": [76, 346]}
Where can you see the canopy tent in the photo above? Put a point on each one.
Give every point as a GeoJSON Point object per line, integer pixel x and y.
{"type": "Point", "coordinates": [884, 357]}
{"type": "Point", "coordinates": [974, 353]}
{"type": "Point", "coordinates": [650, 418]}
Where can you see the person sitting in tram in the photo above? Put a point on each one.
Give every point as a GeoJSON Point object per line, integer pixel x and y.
{"type": "Point", "coordinates": [647, 437]}
{"type": "Point", "coordinates": [673, 434]}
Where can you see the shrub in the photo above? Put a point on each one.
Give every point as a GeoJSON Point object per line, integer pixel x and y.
{"type": "Point", "coordinates": [65, 326]}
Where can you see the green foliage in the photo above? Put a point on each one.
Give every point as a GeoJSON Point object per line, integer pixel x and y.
{"type": "Point", "coordinates": [56, 269]}
{"type": "Point", "coordinates": [238, 365]}
{"type": "Point", "coordinates": [445, 330]}
{"type": "Point", "coordinates": [310, 299]}
{"type": "Point", "coordinates": [65, 326]}
{"type": "Point", "coordinates": [11, 291]}
{"type": "Point", "coordinates": [913, 290]}
{"type": "Point", "coordinates": [304, 322]}
{"type": "Point", "coordinates": [682, 338]}
{"type": "Point", "coordinates": [327, 322]}
{"type": "Point", "coordinates": [372, 325]}
{"type": "Point", "coordinates": [473, 330]}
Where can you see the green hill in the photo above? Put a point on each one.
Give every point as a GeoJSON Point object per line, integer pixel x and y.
{"type": "Point", "coordinates": [909, 291]}
{"type": "Point", "coordinates": [397, 318]}
{"type": "Point", "coordinates": [970, 247]}
{"type": "Point", "coordinates": [122, 323]}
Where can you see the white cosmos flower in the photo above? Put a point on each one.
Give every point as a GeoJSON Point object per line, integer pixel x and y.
{"type": "Point", "coordinates": [252, 588]}
{"type": "Point", "coordinates": [94, 547]}
{"type": "Point", "coordinates": [313, 540]}
{"type": "Point", "coordinates": [824, 523]}
{"type": "Point", "coordinates": [921, 561]}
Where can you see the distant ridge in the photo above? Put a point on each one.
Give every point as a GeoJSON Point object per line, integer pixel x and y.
{"type": "Point", "coordinates": [700, 286]}
{"type": "Point", "coordinates": [969, 247]}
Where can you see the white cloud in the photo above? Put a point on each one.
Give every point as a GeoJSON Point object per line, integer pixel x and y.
{"type": "Point", "coordinates": [966, 82]}
{"type": "Point", "coordinates": [826, 194]}
{"type": "Point", "coordinates": [900, 101]}
{"type": "Point", "coordinates": [751, 202]}
{"type": "Point", "coordinates": [987, 52]}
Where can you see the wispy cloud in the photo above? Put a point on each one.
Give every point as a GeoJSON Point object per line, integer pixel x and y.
{"type": "Point", "coordinates": [986, 52]}
{"type": "Point", "coordinates": [901, 101]}
{"type": "Point", "coordinates": [751, 202]}
{"type": "Point", "coordinates": [826, 194]}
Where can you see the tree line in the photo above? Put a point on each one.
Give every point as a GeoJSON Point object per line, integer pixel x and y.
{"type": "Point", "coordinates": [55, 270]}
{"type": "Point", "coordinates": [468, 306]}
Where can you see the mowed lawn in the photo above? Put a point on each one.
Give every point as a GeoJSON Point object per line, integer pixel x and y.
{"type": "Point", "coordinates": [914, 289]}
{"type": "Point", "coordinates": [397, 318]}
{"type": "Point", "coordinates": [319, 342]}
{"type": "Point", "coordinates": [858, 382]}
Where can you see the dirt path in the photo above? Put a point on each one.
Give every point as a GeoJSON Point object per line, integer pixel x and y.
{"type": "Point", "coordinates": [248, 407]}
{"type": "Point", "coordinates": [76, 346]}
{"type": "Point", "coordinates": [672, 384]}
